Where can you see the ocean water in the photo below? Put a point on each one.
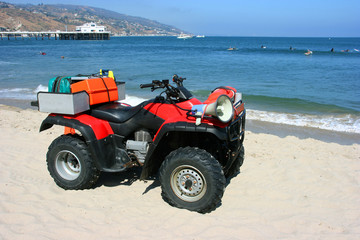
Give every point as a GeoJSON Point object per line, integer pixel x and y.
{"type": "Point", "coordinates": [279, 85]}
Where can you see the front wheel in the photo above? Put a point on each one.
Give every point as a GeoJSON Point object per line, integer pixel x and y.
{"type": "Point", "coordinates": [192, 178]}
{"type": "Point", "coordinates": [70, 164]}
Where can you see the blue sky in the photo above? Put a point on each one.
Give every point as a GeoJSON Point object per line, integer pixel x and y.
{"type": "Point", "coordinates": [287, 18]}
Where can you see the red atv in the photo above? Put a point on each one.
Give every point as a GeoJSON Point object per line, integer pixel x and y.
{"type": "Point", "coordinates": [193, 145]}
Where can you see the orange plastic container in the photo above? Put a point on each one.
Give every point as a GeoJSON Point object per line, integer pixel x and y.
{"type": "Point", "coordinates": [100, 90]}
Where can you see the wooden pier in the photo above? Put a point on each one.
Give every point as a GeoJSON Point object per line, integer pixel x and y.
{"type": "Point", "coordinates": [57, 35]}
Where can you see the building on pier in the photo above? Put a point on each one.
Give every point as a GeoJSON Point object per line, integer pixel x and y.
{"type": "Point", "coordinates": [88, 31]}
{"type": "Point", "coordinates": [90, 28]}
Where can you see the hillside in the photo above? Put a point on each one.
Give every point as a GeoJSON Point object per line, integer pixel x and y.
{"type": "Point", "coordinates": [59, 17]}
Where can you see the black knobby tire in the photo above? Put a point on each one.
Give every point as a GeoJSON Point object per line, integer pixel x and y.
{"type": "Point", "coordinates": [70, 164]}
{"type": "Point", "coordinates": [235, 167]}
{"type": "Point", "coordinates": [193, 179]}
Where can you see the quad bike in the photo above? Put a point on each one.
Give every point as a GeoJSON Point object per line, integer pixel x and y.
{"type": "Point", "coordinates": [193, 146]}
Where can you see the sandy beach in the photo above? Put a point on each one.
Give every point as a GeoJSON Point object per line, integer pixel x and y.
{"type": "Point", "coordinates": [288, 188]}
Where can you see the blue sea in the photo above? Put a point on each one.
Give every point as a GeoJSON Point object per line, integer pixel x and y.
{"type": "Point", "coordinates": [280, 84]}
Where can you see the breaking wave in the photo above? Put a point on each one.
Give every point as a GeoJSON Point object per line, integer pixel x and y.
{"type": "Point", "coordinates": [334, 122]}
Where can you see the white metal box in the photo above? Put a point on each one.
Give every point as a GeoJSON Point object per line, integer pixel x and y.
{"type": "Point", "coordinates": [121, 90]}
{"type": "Point", "coordinates": [63, 103]}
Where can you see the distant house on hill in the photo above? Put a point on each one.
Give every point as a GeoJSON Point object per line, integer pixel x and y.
{"type": "Point", "coordinates": [90, 28]}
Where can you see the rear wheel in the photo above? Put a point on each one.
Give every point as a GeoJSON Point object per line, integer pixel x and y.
{"type": "Point", "coordinates": [192, 178]}
{"type": "Point", "coordinates": [70, 164]}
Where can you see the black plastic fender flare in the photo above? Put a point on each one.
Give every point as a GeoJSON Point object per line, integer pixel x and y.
{"type": "Point", "coordinates": [220, 133]}
{"type": "Point", "coordinates": [84, 129]}
{"type": "Point", "coordinates": [95, 145]}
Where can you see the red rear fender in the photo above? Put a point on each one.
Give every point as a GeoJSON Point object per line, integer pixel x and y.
{"type": "Point", "coordinates": [89, 126]}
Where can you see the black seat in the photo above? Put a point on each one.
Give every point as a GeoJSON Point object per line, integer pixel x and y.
{"type": "Point", "coordinates": [115, 112]}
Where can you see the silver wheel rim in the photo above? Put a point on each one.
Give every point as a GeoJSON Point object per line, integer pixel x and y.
{"type": "Point", "coordinates": [67, 165]}
{"type": "Point", "coordinates": [188, 183]}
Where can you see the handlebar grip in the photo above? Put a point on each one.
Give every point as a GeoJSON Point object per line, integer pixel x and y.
{"type": "Point", "coordinates": [146, 85]}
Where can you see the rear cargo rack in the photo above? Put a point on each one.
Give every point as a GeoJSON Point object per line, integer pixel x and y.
{"type": "Point", "coordinates": [70, 103]}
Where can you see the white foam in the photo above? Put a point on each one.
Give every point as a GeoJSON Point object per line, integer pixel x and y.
{"type": "Point", "coordinates": [132, 100]}
{"type": "Point", "coordinates": [340, 123]}
{"type": "Point", "coordinates": [41, 88]}
{"type": "Point", "coordinates": [14, 90]}
{"type": "Point", "coordinates": [21, 93]}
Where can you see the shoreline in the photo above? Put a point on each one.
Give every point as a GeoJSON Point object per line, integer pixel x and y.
{"type": "Point", "coordinates": [283, 130]}
{"type": "Point", "coordinates": [255, 126]}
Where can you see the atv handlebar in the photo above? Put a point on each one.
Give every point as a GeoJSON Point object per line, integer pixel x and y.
{"type": "Point", "coordinates": [164, 83]}
{"type": "Point", "coordinates": [156, 84]}
{"type": "Point", "coordinates": [172, 93]}
{"type": "Point", "coordinates": [146, 85]}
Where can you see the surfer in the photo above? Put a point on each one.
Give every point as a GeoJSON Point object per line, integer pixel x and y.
{"type": "Point", "coordinates": [308, 52]}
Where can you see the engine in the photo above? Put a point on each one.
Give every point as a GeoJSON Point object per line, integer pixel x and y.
{"type": "Point", "coordinates": [139, 147]}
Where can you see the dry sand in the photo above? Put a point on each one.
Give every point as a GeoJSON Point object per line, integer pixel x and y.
{"type": "Point", "coordinates": [288, 188]}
